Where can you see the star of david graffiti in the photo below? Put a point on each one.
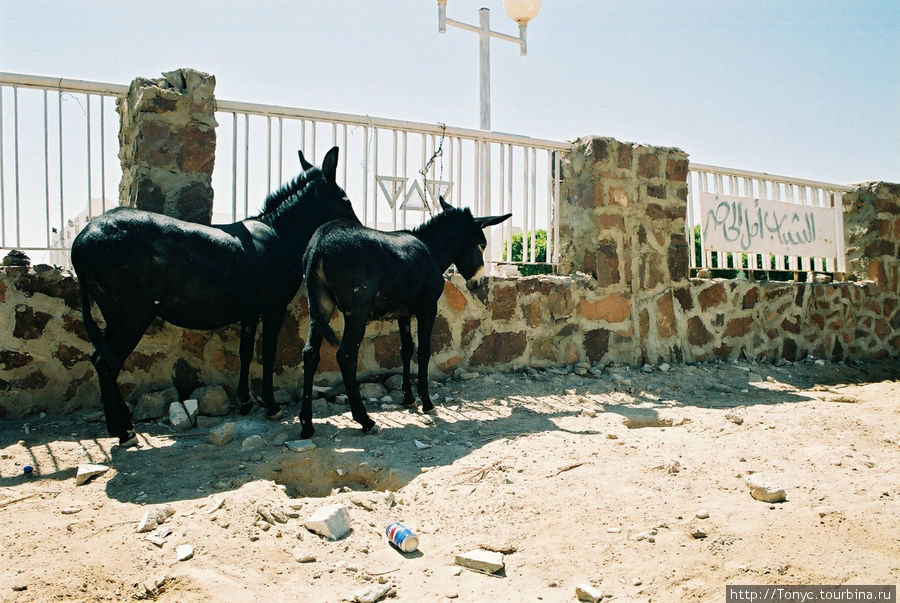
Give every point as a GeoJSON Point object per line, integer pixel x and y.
{"type": "Point", "coordinates": [414, 194]}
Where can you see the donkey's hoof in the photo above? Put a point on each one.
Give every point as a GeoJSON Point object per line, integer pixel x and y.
{"type": "Point", "coordinates": [307, 432]}
{"type": "Point", "coordinates": [429, 410]}
{"type": "Point", "coordinates": [128, 440]}
{"type": "Point", "coordinates": [372, 429]}
{"type": "Point", "coordinates": [273, 414]}
{"type": "Point", "coordinates": [245, 407]}
{"type": "Point", "coordinates": [408, 401]}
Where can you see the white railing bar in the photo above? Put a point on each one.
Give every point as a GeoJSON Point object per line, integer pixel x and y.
{"type": "Point", "coordinates": [2, 185]}
{"type": "Point", "coordinates": [47, 173]}
{"type": "Point", "coordinates": [246, 164]}
{"type": "Point", "coordinates": [365, 166]}
{"type": "Point", "coordinates": [102, 156]}
{"type": "Point", "coordinates": [62, 84]}
{"type": "Point", "coordinates": [234, 134]}
{"type": "Point", "coordinates": [280, 149]}
{"type": "Point", "coordinates": [87, 102]}
{"type": "Point", "coordinates": [533, 190]}
{"type": "Point", "coordinates": [268, 154]}
{"type": "Point", "coordinates": [16, 163]}
{"type": "Point", "coordinates": [59, 99]}
{"type": "Point", "coordinates": [557, 159]}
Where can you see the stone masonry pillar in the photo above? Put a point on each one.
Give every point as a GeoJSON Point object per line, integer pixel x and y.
{"type": "Point", "coordinates": [167, 144]}
{"type": "Point", "coordinates": [872, 231]}
{"type": "Point", "coordinates": [622, 218]}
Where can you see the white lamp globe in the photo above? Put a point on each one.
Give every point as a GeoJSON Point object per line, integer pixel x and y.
{"type": "Point", "coordinates": [522, 11]}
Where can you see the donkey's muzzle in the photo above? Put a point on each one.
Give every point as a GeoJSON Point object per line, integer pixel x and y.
{"type": "Point", "coordinates": [475, 282]}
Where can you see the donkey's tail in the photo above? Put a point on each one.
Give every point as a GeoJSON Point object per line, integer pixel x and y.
{"type": "Point", "coordinates": [100, 344]}
{"type": "Point", "coordinates": [319, 315]}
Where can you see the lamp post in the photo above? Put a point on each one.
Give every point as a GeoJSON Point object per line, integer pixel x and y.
{"type": "Point", "coordinates": [520, 11]}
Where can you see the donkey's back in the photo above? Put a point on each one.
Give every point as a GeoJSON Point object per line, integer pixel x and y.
{"type": "Point", "coordinates": [196, 276]}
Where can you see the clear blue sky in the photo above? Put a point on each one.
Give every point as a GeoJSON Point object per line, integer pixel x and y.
{"type": "Point", "coordinates": [796, 87]}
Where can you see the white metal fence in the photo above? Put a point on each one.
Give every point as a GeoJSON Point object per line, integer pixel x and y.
{"type": "Point", "coordinates": [748, 212]}
{"type": "Point", "coordinates": [59, 166]}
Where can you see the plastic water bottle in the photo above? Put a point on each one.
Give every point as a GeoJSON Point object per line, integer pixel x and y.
{"type": "Point", "coordinates": [402, 537]}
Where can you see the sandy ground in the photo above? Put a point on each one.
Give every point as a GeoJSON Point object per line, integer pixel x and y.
{"type": "Point", "coordinates": [577, 479]}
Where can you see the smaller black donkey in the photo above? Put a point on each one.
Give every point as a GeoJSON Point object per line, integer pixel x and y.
{"type": "Point", "coordinates": [137, 265]}
{"type": "Point", "coordinates": [370, 274]}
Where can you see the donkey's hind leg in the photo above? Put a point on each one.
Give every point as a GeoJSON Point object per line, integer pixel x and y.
{"type": "Point", "coordinates": [406, 352]}
{"type": "Point", "coordinates": [122, 335]}
{"type": "Point", "coordinates": [310, 364]}
{"type": "Point", "coordinates": [347, 357]}
{"type": "Point", "coordinates": [248, 335]}
{"type": "Point", "coordinates": [424, 325]}
{"type": "Point", "coordinates": [271, 327]}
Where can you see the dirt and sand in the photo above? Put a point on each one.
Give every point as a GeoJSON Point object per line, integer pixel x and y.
{"type": "Point", "coordinates": [595, 479]}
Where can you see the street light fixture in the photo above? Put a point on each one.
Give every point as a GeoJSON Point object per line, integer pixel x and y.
{"type": "Point", "coordinates": [520, 11]}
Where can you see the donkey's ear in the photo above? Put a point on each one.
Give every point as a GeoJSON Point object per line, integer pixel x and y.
{"type": "Point", "coordinates": [491, 220]}
{"type": "Point", "coordinates": [444, 205]}
{"type": "Point", "coordinates": [329, 165]}
{"type": "Point", "coordinates": [303, 162]}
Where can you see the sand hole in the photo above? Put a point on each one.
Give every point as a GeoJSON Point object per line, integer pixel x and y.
{"type": "Point", "coordinates": [317, 472]}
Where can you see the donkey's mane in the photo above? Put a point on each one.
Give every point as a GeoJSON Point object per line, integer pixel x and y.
{"type": "Point", "coordinates": [276, 199]}
{"type": "Point", "coordinates": [444, 216]}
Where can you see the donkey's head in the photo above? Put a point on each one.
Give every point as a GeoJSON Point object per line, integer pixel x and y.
{"type": "Point", "coordinates": [467, 250]}
{"type": "Point", "coordinates": [311, 199]}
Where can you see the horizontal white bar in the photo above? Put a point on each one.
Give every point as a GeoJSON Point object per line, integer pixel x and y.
{"type": "Point", "coordinates": [699, 167]}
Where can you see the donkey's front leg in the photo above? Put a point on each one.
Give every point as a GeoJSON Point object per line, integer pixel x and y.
{"type": "Point", "coordinates": [248, 334]}
{"type": "Point", "coordinates": [272, 320]}
{"type": "Point", "coordinates": [425, 324]}
{"type": "Point", "coordinates": [406, 352]}
{"type": "Point", "coordinates": [347, 357]}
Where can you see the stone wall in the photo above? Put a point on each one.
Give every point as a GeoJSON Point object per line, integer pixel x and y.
{"type": "Point", "coordinates": [167, 144]}
{"type": "Point", "coordinates": [626, 297]}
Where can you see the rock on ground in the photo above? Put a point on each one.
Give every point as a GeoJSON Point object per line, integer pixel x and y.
{"type": "Point", "coordinates": [763, 488]}
{"type": "Point", "coordinates": [485, 561]}
{"type": "Point", "coordinates": [212, 400]}
{"type": "Point", "coordinates": [331, 521]}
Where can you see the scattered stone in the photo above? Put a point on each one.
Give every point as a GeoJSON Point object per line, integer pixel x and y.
{"type": "Point", "coordinates": [722, 388]}
{"type": "Point", "coordinates": [612, 436]}
{"type": "Point", "coordinates": [178, 417]}
{"type": "Point", "coordinates": [421, 445]}
{"type": "Point", "coordinates": [702, 514]}
{"type": "Point", "coordinates": [184, 552]}
{"type": "Point", "coordinates": [480, 560]}
{"type": "Point", "coordinates": [588, 412]}
{"type": "Point", "coordinates": [664, 367]}
{"type": "Point", "coordinates": [300, 445]}
{"type": "Point", "coordinates": [670, 467]}
{"type": "Point", "coordinates": [697, 534]}
{"type": "Point", "coordinates": [278, 516]}
{"type": "Point", "coordinates": [736, 419]}
{"type": "Point", "coordinates": [330, 521]}
{"type": "Point", "coordinates": [218, 503]}
{"type": "Point", "coordinates": [192, 407]}
{"type": "Point", "coordinates": [87, 471]}
{"type": "Point", "coordinates": [613, 530]}
{"type": "Point", "coordinates": [279, 440]}
{"type": "Point", "coordinates": [636, 582]}
{"type": "Point", "coordinates": [301, 556]}
{"type": "Point", "coordinates": [394, 383]}
{"type": "Point", "coordinates": [70, 510]}
{"type": "Point", "coordinates": [371, 594]}
{"type": "Point", "coordinates": [222, 434]}
{"type": "Point", "coordinates": [587, 592]}
{"type": "Point", "coordinates": [153, 405]}
{"type": "Point", "coordinates": [764, 489]}
{"type": "Point", "coordinates": [254, 442]}
{"type": "Point", "coordinates": [212, 400]}
{"type": "Point", "coordinates": [20, 587]}
{"type": "Point", "coordinates": [467, 376]}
